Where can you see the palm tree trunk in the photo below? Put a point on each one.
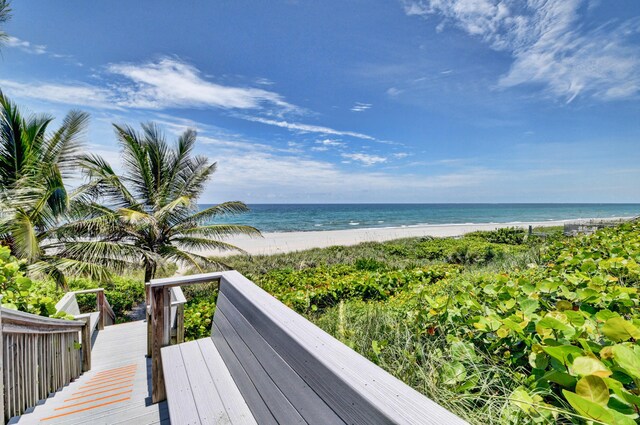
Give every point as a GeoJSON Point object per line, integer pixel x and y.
{"type": "Point", "coordinates": [149, 271]}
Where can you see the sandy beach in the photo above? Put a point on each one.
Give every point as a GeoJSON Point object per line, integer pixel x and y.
{"type": "Point", "coordinates": [282, 242]}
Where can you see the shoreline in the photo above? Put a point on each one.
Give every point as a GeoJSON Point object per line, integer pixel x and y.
{"type": "Point", "coordinates": [285, 242]}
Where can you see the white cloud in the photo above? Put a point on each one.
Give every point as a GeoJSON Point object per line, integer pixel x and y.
{"type": "Point", "coordinates": [548, 44]}
{"type": "Point", "coordinates": [167, 83]}
{"type": "Point", "coordinates": [360, 107]}
{"type": "Point", "coordinates": [72, 94]}
{"type": "Point", "coordinates": [330, 142]}
{"type": "Point", "coordinates": [25, 46]}
{"type": "Point", "coordinates": [173, 83]}
{"type": "Point", "coordinates": [300, 179]}
{"type": "Point", "coordinates": [319, 148]}
{"type": "Point", "coordinates": [400, 155]}
{"type": "Point", "coordinates": [307, 128]}
{"type": "Point", "coordinates": [393, 91]}
{"type": "Point", "coordinates": [364, 158]}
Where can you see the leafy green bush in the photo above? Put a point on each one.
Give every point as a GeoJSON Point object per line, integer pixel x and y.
{"type": "Point", "coordinates": [573, 324]}
{"type": "Point", "coordinates": [466, 251]}
{"type": "Point", "coordinates": [198, 317]}
{"type": "Point", "coordinates": [123, 293]}
{"type": "Point", "coordinates": [505, 235]}
{"type": "Point", "coordinates": [322, 287]}
{"type": "Point", "coordinates": [19, 292]}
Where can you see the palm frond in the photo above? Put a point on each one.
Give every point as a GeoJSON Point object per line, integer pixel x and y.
{"type": "Point", "coordinates": [219, 231]}
{"type": "Point", "coordinates": [25, 236]}
{"type": "Point", "coordinates": [190, 242]}
{"type": "Point", "coordinates": [5, 15]}
{"type": "Point", "coordinates": [138, 171]}
{"type": "Point", "coordinates": [63, 147]}
{"type": "Point", "coordinates": [223, 209]}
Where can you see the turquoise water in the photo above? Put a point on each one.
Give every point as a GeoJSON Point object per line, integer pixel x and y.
{"type": "Point", "coordinates": [309, 217]}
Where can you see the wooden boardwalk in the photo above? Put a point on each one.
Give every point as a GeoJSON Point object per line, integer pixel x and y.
{"type": "Point", "coordinates": [117, 389]}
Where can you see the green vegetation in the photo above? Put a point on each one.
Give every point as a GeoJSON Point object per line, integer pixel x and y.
{"type": "Point", "coordinates": [18, 291]}
{"type": "Point", "coordinates": [34, 163]}
{"type": "Point", "coordinates": [496, 326]}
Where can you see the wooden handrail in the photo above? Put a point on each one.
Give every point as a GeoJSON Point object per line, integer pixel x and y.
{"type": "Point", "coordinates": [38, 355]}
{"type": "Point", "coordinates": [159, 293]}
{"type": "Point", "coordinates": [69, 304]}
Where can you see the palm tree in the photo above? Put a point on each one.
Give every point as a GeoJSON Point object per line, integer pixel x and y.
{"type": "Point", "coordinates": [5, 15]}
{"type": "Point", "coordinates": [150, 211]}
{"type": "Point", "coordinates": [34, 164]}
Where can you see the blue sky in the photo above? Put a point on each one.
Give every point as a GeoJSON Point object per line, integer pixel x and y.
{"type": "Point", "coordinates": [353, 100]}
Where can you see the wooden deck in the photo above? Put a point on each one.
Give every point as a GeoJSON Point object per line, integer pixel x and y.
{"type": "Point", "coordinates": [117, 389]}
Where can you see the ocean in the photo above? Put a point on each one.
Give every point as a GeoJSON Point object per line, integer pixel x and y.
{"type": "Point", "coordinates": [316, 217]}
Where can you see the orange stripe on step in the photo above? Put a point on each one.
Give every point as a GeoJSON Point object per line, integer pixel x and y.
{"type": "Point", "coordinates": [108, 377]}
{"type": "Point", "coordinates": [116, 369]}
{"type": "Point", "coordinates": [92, 388]}
{"type": "Point", "coordinates": [85, 409]}
{"type": "Point", "coordinates": [96, 393]}
{"type": "Point", "coordinates": [91, 401]}
{"type": "Point", "coordinates": [104, 381]}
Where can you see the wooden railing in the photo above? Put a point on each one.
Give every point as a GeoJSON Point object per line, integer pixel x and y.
{"type": "Point", "coordinates": [163, 295]}
{"type": "Point", "coordinates": [39, 356]}
{"type": "Point", "coordinates": [102, 316]}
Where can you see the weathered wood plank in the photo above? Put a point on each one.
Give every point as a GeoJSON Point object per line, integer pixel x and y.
{"type": "Point", "coordinates": [253, 398]}
{"type": "Point", "coordinates": [280, 407]}
{"type": "Point", "coordinates": [235, 405]}
{"type": "Point", "coordinates": [208, 400]}
{"type": "Point", "coordinates": [180, 396]}
{"type": "Point", "coordinates": [160, 336]}
{"type": "Point", "coordinates": [301, 396]}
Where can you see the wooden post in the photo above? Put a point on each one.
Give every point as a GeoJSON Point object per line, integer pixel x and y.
{"type": "Point", "coordinates": [160, 332]}
{"type": "Point", "coordinates": [101, 309]}
{"type": "Point", "coordinates": [180, 324]}
{"type": "Point", "coordinates": [147, 313]}
{"type": "Point", "coordinates": [2, 411]}
{"type": "Point", "coordinates": [86, 345]}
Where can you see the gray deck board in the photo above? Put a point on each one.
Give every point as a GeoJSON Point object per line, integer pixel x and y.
{"type": "Point", "coordinates": [235, 405]}
{"type": "Point", "coordinates": [205, 394]}
{"type": "Point", "coordinates": [301, 396]}
{"type": "Point", "coordinates": [119, 371]}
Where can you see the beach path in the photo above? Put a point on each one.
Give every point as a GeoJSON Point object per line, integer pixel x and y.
{"type": "Point", "coordinates": [117, 389]}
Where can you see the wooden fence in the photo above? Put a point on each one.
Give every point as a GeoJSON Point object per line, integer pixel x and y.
{"type": "Point", "coordinates": [39, 356]}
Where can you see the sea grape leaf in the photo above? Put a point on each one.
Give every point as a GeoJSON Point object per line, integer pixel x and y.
{"type": "Point", "coordinates": [452, 373]}
{"type": "Point", "coordinates": [529, 306]}
{"type": "Point", "coordinates": [594, 389]}
{"type": "Point", "coordinates": [627, 359]}
{"type": "Point", "coordinates": [593, 410]}
{"type": "Point", "coordinates": [563, 353]}
{"type": "Point", "coordinates": [560, 378]}
{"type": "Point", "coordinates": [584, 366]}
{"type": "Point", "coordinates": [521, 398]}
{"type": "Point", "coordinates": [617, 329]}
{"type": "Point", "coordinates": [549, 322]}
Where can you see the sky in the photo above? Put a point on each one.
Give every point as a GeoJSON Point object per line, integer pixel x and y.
{"type": "Point", "coordinates": [340, 101]}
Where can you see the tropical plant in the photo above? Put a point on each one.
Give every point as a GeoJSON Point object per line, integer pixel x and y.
{"type": "Point", "coordinates": [149, 213]}
{"type": "Point", "coordinates": [34, 164]}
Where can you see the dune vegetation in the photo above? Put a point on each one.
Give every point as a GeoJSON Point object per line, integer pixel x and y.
{"type": "Point", "coordinates": [496, 326]}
